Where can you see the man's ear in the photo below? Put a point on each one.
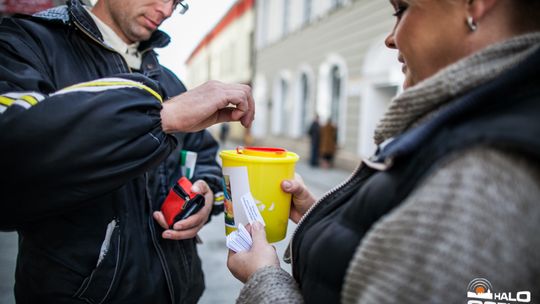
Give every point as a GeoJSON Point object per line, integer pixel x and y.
{"type": "Point", "coordinates": [477, 9]}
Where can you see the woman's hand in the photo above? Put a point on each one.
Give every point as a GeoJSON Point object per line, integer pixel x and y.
{"type": "Point", "coordinates": [243, 264]}
{"type": "Point", "coordinates": [189, 227]}
{"type": "Point", "coordinates": [302, 199]}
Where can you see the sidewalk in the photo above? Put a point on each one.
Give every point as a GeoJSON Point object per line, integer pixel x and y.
{"type": "Point", "coordinates": [8, 256]}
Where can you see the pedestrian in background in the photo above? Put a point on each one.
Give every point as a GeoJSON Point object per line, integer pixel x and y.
{"type": "Point", "coordinates": [314, 133]}
{"type": "Point", "coordinates": [224, 132]}
{"type": "Point", "coordinates": [452, 193]}
{"type": "Point", "coordinates": [91, 129]}
{"type": "Point", "coordinates": [328, 143]}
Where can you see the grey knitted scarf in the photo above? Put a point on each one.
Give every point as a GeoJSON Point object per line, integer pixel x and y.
{"type": "Point", "coordinates": [422, 100]}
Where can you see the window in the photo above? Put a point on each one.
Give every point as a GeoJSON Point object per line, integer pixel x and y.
{"type": "Point", "coordinates": [286, 9]}
{"type": "Point", "coordinates": [337, 3]}
{"type": "Point", "coordinates": [307, 10]}
{"type": "Point", "coordinates": [335, 75]}
{"type": "Point", "coordinates": [251, 45]}
{"type": "Point", "coordinates": [263, 23]}
{"type": "Point", "coordinates": [285, 108]}
{"type": "Point", "coordinates": [304, 100]}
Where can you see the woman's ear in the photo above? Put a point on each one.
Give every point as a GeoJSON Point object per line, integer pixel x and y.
{"type": "Point", "coordinates": [478, 9]}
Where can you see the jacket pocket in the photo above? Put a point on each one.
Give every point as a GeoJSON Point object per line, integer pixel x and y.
{"type": "Point", "coordinates": [98, 286]}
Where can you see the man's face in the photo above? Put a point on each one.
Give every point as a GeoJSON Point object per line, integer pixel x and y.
{"type": "Point", "coordinates": [134, 20]}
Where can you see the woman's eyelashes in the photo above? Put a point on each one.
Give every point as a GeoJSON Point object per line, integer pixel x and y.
{"type": "Point", "coordinates": [400, 8]}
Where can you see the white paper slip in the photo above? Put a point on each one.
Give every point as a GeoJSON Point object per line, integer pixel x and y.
{"type": "Point", "coordinates": [232, 244]}
{"type": "Point", "coordinates": [239, 240]}
{"type": "Point", "coordinates": [239, 247]}
{"type": "Point", "coordinates": [243, 237]}
{"type": "Point", "coordinates": [252, 212]}
{"type": "Point", "coordinates": [244, 234]}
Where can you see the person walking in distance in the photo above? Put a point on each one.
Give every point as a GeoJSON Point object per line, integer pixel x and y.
{"type": "Point", "coordinates": [328, 143]}
{"type": "Point", "coordinates": [224, 132]}
{"type": "Point", "coordinates": [314, 133]}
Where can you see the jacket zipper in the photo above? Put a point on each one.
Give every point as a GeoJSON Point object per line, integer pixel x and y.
{"type": "Point", "coordinates": [310, 210]}
{"type": "Point", "coordinates": [158, 248]}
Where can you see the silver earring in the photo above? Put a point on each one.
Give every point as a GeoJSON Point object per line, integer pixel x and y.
{"type": "Point", "coordinates": [471, 24]}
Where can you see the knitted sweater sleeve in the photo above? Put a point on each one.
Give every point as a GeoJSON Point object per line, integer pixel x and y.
{"type": "Point", "coordinates": [270, 285]}
{"type": "Point", "coordinates": [478, 216]}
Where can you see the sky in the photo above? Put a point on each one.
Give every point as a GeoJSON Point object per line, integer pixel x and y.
{"type": "Point", "coordinates": [188, 30]}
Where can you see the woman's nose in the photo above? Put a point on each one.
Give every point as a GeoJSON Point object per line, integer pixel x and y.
{"type": "Point", "coordinates": [389, 41]}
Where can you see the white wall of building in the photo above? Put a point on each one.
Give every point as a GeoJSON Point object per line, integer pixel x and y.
{"type": "Point", "coordinates": [260, 96]}
{"type": "Point", "coordinates": [228, 57]}
{"type": "Point", "coordinates": [382, 81]}
{"type": "Point", "coordinates": [343, 41]}
{"type": "Point", "coordinates": [271, 15]}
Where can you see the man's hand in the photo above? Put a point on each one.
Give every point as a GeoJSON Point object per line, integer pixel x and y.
{"type": "Point", "coordinates": [188, 228]}
{"type": "Point", "coordinates": [243, 264]}
{"type": "Point", "coordinates": [302, 199]}
{"type": "Point", "coordinates": [208, 104]}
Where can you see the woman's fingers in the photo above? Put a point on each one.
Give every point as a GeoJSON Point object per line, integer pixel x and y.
{"type": "Point", "coordinates": [243, 264]}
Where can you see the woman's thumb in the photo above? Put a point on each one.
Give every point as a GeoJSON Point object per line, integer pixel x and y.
{"type": "Point", "coordinates": [288, 186]}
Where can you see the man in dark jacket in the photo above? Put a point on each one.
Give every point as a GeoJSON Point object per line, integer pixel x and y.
{"type": "Point", "coordinates": [314, 133]}
{"type": "Point", "coordinates": [91, 133]}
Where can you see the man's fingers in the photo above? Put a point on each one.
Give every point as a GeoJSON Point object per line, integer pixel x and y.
{"type": "Point", "coordinates": [160, 218]}
{"type": "Point", "coordinates": [225, 115]}
{"type": "Point", "coordinates": [244, 107]}
{"type": "Point", "coordinates": [247, 120]}
{"type": "Point", "coordinates": [200, 186]}
{"type": "Point", "coordinates": [236, 103]}
{"type": "Point", "coordinates": [240, 110]}
{"type": "Point", "coordinates": [192, 221]}
{"type": "Point", "coordinates": [180, 235]}
{"type": "Point", "coordinates": [212, 102]}
{"type": "Point", "coordinates": [238, 98]}
{"type": "Point", "coordinates": [250, 116]}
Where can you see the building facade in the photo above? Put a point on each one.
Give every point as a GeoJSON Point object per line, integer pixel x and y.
{"type": "Point", "coordinates": [226, 54]}
{"type": "Point", "coordinates": [326, 57]}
